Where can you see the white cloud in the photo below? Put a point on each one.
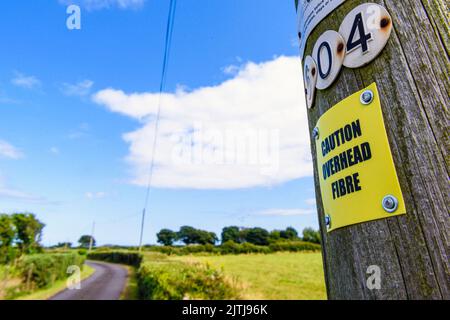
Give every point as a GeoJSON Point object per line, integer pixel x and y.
{"type": "Point", "coordinates": [54, 150]}
{"type": "Point", "coordinates": [25, 81]}
{"type": "Point", "coordinates": [91, 5]}
{"type": "Point", "coordinates": [82, 88]}
{"type": "Point", "coordinates": [7, 150]}
{"type": "Point", "coordinates": [286, 212]}
{"type": "Point", "coordinates": [8, 192]}
{"type": "Point", "coordinates": [18, 195]}
{"type": "Point", "coordinates": [311, 202]}
{"type": "Point", "coordinates": [95, 195]}
{"type": "Point", "coordinates": [264, 100]}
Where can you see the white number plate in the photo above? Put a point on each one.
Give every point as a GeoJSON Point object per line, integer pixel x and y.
{"type": "Point", "coordinates": [366, 30]}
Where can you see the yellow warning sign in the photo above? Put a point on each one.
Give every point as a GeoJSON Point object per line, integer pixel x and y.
{"type": "Point", "coordinates": [358, 180]}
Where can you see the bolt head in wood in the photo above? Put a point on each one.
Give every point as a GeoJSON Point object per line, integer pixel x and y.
{"type": "Point", "coordinates": [367, 97]}
{"type": "Point", "coordinates": [390, 203]}
{"type": "Point", "coordinates": [328, 221]}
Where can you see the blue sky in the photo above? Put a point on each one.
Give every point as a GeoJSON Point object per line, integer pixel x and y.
{"type": "Point", "coordinates": [77, 115]}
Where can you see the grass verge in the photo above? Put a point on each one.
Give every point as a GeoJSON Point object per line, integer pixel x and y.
{"type": "Point", "coordinates": [131, 291]}
{"type": "Point", "coordinates": [59, 286]}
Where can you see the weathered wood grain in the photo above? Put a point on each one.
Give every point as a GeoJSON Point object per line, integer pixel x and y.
{"type": "Point", "coordinates": [412, 75]}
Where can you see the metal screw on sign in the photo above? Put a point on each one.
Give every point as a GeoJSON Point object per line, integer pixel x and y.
{"type": "Point", "coordinates": [328, 221]}
{"type": "Point", "coordinates": [390, 203]}
{"type": "Point", "coordinates": [316, 133]}
{"type": "Point", "coordinates": [367, 97]}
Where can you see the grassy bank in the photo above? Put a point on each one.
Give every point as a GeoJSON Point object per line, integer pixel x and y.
{"type": "Point", "coordinates": [278, 276]}
{"type": "Point", "coordinates": [162, 278]}
{"type": "Point", "coordinates": [57, 287]}
{"type": "Point", "coordinates": [36, 273]}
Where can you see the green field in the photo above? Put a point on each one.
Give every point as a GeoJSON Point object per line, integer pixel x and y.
{"type": "Point", "coordinates": [278, 276]}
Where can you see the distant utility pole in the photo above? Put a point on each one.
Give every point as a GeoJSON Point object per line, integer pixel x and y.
{"type": "Point", "coordinates": [142, 230]}
{"type": "Point", "coordinates": [377, 85]}
{"type": "Point", "coordinates": [91, 242]}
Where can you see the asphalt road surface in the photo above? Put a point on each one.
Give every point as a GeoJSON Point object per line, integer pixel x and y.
{"type": "Point", "coordinates": [107, 283]}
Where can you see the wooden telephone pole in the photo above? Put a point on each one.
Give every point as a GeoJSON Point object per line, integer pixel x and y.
{"type": "Point", "coordinates": [412, 74]}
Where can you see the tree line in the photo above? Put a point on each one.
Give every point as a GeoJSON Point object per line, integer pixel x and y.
{"type": "Point", "coordinates": [257, 236]}
{"type": "Point", "coordinates": [20, 233]}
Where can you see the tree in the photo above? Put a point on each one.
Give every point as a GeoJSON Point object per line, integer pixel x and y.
{"type": "Point", "coordinates": [257, 236]}
{"type": "Point", "coordinates": [231, 234]}
{"type": "Point", "coordinates": [67, 245]}
{"type": "Point", "coordinates": [190, 235]}
{"type": "Point", "coordinates": [275, 235]}
{"type": "Point", "coordinates": [7, 234]}
{"type": "Point", "coordinates": [28, 232]}
{"type": "Point", "coordinates": [7, 231]}
{"type": "Point", "coordinates": [205, 237]}
{"type": "Point", "coordinates": [85, 241]}
{"type": "Point", "coordinates": [411, 74]}
{"type": "Point", "coordinates": [311, 235]}
{"type": "Point", "coordinates": [166, 237]}
{"type": "Point", "coordinates": [289, 234]}
{"type": "Point", "coordinates": [187, 235]}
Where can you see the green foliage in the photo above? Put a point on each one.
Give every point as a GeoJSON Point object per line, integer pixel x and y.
{"type": "Point", "coordinates": [190, 235]}
{"type": "Point", "coordinates": [7, 231]}
{"type": "Point", "coordinates": [274, 236]}
{"type": "Point", "coordinates": [42, 270]}
{"type": "Point", "coordinates": [310, 235]}
{"type": "Point", "coordinates": [175, 280]}
{"type": "Point", "coordinates": [178, 250]}
{"type": "Point", "coordinates": [289, 234]}
{"type": "Point", "coordinates": [20, 233]}
{"type": "Point", "coordinates": [277, 276]}
{"type": "Point", "coordinates": [85, 241]}
{"type": "Point", "coordinates": [257, 236]}
{"type": "Point", "coordinates": [166, 237]}
{"type": "Point", "coordinates": [123, 257]}
{"type": "Point", "coordinates": [28, 232]}
{"type": "Point", "coordinates": [231, 234]}
{"type": "Point", "coordinates": [293, 246]}
{"type": "Point", "coordinates": [7, 234]}
{"type": "Point", "coordinates": [65, 245]}
{"type": "Point", "coordinates": [82, 252]}
{"type": "Point", "coordinates": [231, 247]}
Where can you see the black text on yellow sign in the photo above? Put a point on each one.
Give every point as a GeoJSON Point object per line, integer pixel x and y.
{"type": "Point", "coordinates": [356, 168]}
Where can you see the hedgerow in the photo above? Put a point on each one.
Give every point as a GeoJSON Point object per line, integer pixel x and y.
{"type": "Point", "coordinates": [231, 247]}
{"type": "Point", "coordinates": [42, 270]}
{"type": "Point", "coordinates": [176, 280]}
{"type": "Point", "coordinates": [123, 257]}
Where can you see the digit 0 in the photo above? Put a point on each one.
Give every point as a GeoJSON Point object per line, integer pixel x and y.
{"type": "Point", "coordinates": [324, 45]}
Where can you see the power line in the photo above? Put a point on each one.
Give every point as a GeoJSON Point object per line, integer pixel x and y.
{"type": "Point", "coordinates": [167, 47]}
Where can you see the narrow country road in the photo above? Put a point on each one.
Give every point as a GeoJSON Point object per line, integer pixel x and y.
{"type": "Point", "coordinates": [107, 283]}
